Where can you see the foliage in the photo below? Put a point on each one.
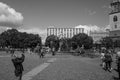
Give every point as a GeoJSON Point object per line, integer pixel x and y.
{"type": "Point", "coordinates": [66, 44]}
{"type": "Point", "coordinates": [16, 39]}
{"type": "Point", "coordinates": [83, 39]}
{"type": "Point", "coordinates": [117, 43]}
{"type": "Point", "coordinates": [52, 41]}
{"type": "Point", "coordinates": [107, 42]}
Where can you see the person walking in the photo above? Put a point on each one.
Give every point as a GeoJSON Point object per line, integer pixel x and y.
{"type": "Point", "coordinates": [108, 61]}
{"type": "Point", "coordinates": [17, 60]}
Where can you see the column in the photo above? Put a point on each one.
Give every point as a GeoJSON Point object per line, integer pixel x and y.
{"type": "Point", "coordinates": [61, 32]}
{"type": "Point", "coordinates": [56, 31]}
{"type": "Point", "coordinates": [82, 30]}
{"type": "Point", "coordinates": [70, 32]}
{"type": "Point", "coordinates": [66, 32]}
{"type": "Point", "coordinates": [47, 32]}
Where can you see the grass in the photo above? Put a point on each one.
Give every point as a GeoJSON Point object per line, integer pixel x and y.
{"type": "Point", "coordinates": [7, 68]}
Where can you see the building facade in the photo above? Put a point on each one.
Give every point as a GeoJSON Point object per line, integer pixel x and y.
{"type": "Point", "coordinates": [114, 18]}
{"type": "Point", "coordinates": [64, 32]}
{"type": "Point", "coordinates": [97, 36]}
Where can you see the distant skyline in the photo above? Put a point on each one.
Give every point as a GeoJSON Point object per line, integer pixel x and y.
{"type": "Point", "coordinates": [40, 14]}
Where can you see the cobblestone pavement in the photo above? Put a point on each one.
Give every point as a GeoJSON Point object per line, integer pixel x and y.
{"type": "Point", "coordinates": [68, 67]}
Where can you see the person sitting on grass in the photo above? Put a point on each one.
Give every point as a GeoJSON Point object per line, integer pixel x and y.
{"type": "Point", "coordinates": [17, 60]}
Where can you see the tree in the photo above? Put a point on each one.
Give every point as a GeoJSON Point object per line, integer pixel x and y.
{"type": "Point", "coordinates": [17, 39]}
{"type": "Point", "coordinates": [107, 42]}
{"type": "Point", "coordinates": [83, 39]}
{"type": "Point", "coordinates": [52, 41]}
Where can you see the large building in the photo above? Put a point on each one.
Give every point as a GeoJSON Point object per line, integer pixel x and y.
{"type": "Point", "coordinates": [64, 32]}
{"type": "Point", "coordinates": [97, 36]}
{"type": "Point", "coordinates": [114, 19]}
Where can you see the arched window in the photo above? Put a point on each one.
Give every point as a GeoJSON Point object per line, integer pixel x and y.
{"type": "Point", "coordinates": [115, 18]}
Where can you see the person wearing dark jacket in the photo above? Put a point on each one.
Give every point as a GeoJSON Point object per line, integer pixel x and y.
{"type": "Point", "coordinates": [108, 61]}
{"type": "Point", "coordinates": [17, 62]}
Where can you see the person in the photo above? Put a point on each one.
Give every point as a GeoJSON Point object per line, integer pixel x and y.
{"type": "Point", "coordinates": [103, 59]}
{"type": "Point", "coordinates": [42, 52]}
{"type": "Point", "coordinates": [108, 61]}
{"type": "Point", "coordinates": [17, 60]}
{"type": "Point", "coordinates": [118, 62]}
{"type": "Point", "coordinates": [53, 51]}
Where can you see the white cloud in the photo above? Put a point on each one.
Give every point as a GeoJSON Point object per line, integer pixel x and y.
{"type": "Point", "coordinates": [2, 29]}
{"type": "Point", "coordinates": [9, 17]}
{"type": "Point", "coordinates": [88, 28]}
{"type": "Point", "coordinates": [108, 27]}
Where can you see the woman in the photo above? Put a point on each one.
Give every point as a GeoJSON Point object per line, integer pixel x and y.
{"type": "Point", "coordinates": [17, 60]}
{"type": "Point", "coordinates": [103, 59]}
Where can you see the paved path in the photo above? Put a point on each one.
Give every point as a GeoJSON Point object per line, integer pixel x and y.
{"type": "Point", "coordinates": [38, 69]}
{"type": "Point", "coordinates": [74, 68]}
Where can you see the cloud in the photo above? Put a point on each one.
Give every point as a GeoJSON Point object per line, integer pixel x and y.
{"type": "Point", "coordinates": [9, 17]}
{"type": "Point", "coordinates": [108, 27]}
{"type": "Point", "coordinates": [2, 29]}
{"type": "Point", "coordinates": [41, 32]}
{"type": "Point", "coordinates": [92, 28]}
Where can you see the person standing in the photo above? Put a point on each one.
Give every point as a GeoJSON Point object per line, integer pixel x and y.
{"type": "Point", "coordinates": [17, 60]}
{"type": "Point", "coordinates": [53, 51]}
{"type": "Point", "coordinates": [108, 61]}
{"type": "Point", "coordinates": [118, 62]}
{"type": "Point", "coordinates": [103, 59]}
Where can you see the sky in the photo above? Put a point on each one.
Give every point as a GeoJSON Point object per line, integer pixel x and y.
{"type": "Point", "coordinates": [35, 16]}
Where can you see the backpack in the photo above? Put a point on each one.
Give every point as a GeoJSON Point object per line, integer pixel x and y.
{"type": "Point", "coordinates": [108, 57]}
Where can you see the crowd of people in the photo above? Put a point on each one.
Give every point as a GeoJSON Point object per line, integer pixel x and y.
{"type": "Point", "coordinates": [107, 57]}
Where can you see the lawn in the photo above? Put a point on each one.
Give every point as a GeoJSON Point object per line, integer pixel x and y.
{"type": "Point", "coordinates": [7, 68]}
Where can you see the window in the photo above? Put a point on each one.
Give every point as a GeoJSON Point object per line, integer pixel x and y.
{"type": "Point", "coordinates": [115, 26]}
{"type": "Point", "coordinates": [115, 18]}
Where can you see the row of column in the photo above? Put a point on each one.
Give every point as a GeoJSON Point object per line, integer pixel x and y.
{"type": "Point", "coordinates": [64, 32]}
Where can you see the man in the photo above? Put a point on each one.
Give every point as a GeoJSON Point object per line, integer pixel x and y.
{"type": "Point", "coordinates": [108, 61]}
{"type": "Point", "coordinates": [17, 60]}
{"type": "Point", "coordinates": [118, 62]}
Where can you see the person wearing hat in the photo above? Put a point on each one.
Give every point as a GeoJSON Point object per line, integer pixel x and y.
{"type": "Point", "coordinates": [18, 59]}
